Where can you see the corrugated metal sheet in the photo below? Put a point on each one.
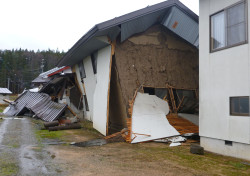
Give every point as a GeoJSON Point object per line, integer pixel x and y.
{"type": "Point", "coordinates": [49, 110]}
{"type": "Point", "coordinates": [39, 103]}
{"type": "Point", "coordinates": [45, 76]}
{"type": "Point", "coordinates": [5, 91]}
{"type": "Point", "coordinates": [183, 25]}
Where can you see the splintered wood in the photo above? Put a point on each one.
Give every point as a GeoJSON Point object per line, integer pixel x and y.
{"type": "Point", "coordinates": [182, 125]}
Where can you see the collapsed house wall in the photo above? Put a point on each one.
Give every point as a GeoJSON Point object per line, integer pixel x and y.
{"type": "Point", "coordinates": [156, 58]}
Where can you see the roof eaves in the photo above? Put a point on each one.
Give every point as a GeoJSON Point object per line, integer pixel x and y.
{"type": "Point", "coordinates": [125, 18]}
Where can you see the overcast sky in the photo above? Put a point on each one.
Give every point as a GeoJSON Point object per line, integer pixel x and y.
{"type": "Point", "coordinates": [43, 24]}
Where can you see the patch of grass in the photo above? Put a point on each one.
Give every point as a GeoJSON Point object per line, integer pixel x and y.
{"type": "Point", "coordinates": [2, 107]}
{"type": "Point", "coordinates": [210, 163]}
{"type": "Point", "coordinates": [15, 145]}
{"type": "Point", "coordinates": [13, 97]}
{"type": "Point", "coordinates": [45, 134]}
{"type": "Point", "coordinates": [8, 166]}
{"type": "Point", "coordinates": [88, 126]}
{"type": "Point", "coordinates": [8, 169]}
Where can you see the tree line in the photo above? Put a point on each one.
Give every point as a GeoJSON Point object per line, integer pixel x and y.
{"type": "Point", "coordinates": [19, 67]}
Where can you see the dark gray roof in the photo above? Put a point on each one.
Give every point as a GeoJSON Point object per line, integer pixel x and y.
{"type": "Point", "coordinates": [130, 24]}
{"type": "Point", "coordinates": [39, 103]}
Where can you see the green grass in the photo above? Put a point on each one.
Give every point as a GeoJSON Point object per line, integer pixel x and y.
{"type": "Point", "coordinates": [210, 162]}
{"type": "Point", "coordinates": [2, 107]}
{"type": "Point", "coordinates": [8, 166]}
{"type": "Point", "coordinates": [45, 134]}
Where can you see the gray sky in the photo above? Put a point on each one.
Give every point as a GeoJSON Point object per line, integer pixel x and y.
{"type": "Point", "coordinates": [43, 24]}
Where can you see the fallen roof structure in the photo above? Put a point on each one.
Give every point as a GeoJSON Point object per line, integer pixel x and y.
{"type": "Point", "coordinates": [39, 103]}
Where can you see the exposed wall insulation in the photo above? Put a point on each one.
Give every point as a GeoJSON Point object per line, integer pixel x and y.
{"type": "Point", "coordinates": [101, 90]}
{"type": "Point", "coordinates": [149, 120]}
{"type": "Point", "coordinates": [90, 84]}
{"type": "Point", "coordinates": [156, 58]}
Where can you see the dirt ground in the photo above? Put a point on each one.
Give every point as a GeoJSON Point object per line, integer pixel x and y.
{"type": "Point", "coordinates": [39, 152]}
{"type": "Point", "coordinates": [138, 159]}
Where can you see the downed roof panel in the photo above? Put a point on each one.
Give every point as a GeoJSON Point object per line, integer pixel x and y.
{"type": "Point", "coordinates": [48, 110]}
{"type": "Point", "coordinates": [39, 103]}
{"type": "Point", "coordinates": [149, 120]}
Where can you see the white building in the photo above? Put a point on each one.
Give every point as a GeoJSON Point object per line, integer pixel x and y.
{"type": "Point", "coordinates": [224, 77]}
{"type": "Point", "coordinates": [4, 94]}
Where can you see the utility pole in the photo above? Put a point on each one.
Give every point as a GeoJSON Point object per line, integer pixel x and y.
{"type": "Point", "coordinates": [42, 65]}
{"type": "Point", "coordinates": [9, 83]}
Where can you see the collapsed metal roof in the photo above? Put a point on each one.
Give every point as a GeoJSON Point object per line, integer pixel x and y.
{"type": "Point", "coordinates": [45, 76]}
{"type": "Point", "coordinates": [39, 103]}
{"type": "Point", "coordinates": [5, 91]}
{"type": "Point", "coordinates": [172, 14]}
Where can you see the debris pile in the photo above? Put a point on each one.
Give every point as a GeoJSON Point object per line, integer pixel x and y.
{"type": "Point", "coordinates": [155, 119]}
{"type": "Point", "coordinates": [38, 103]}
{"type": "Point", "coordinates": [56, 125]}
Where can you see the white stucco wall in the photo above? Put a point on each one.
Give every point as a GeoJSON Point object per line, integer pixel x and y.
{"type": "Point", "coordinates": [101, 90]}
{"type": "Point", "coordinates": [90, 84]}
{"type": "Point", "coordinates": [223, 74]}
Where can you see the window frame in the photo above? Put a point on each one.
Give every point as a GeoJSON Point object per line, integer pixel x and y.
{"type": "Point", "coordinates": [225, 27]}
{"type": "Point", "coordinates": [239, 114]}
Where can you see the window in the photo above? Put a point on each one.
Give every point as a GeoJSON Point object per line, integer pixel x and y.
{"type": "Point", "coordinates": [239, 106]}
{"type": "Point", "coordinates": [228, 27]}
{"type": "Point", "coordinates": [82, 70]}
{"type": "Point", "coordinates": [94, 62]}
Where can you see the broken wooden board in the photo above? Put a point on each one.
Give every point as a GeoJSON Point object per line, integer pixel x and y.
{"type": "Point", "coordinates": [149, 120]}
{"type": "Point", "coordinates": [182, 125]}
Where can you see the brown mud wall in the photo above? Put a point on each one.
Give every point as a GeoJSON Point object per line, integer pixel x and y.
{"type": "Point", "coordinates": [117, 107]}
{"type": "Point", "coordinates": [156, 58]}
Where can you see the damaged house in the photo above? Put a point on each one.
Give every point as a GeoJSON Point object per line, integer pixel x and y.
{"type": "Point", "coordinates": [50, 100]}
{"type": "Point", "coordinates": [151, 53]}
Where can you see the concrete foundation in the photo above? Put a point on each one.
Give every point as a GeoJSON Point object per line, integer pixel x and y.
{"type": "Point", "coordinates": [238, 150]}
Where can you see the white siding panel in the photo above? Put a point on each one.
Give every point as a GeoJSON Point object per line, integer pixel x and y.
{"type": "Point", "coordinates": [149, 117]}
{"type": "Point", "coordinates": [101, 90]}
{"type": "Point", "coordinates": [90, 84]}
